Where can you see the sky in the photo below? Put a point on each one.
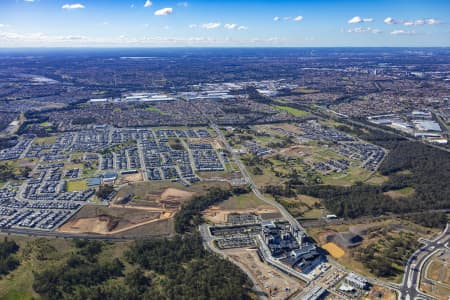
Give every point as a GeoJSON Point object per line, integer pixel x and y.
{"type": "Point", "coordinates": [226, 23]}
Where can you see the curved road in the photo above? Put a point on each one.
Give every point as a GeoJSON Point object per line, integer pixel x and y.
{"type": "Point", "coordinates": [416, 264]}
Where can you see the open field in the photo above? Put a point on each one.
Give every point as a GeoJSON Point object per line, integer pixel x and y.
{"type": "Point", "coordinates": [217, 215]}
{"type": "Point", "coordinates": [293, 111]}
{"type": "Point", "coordinates": [303, 206]}
{"type": "Point", "coordinates": [77, 185]}
{"type": "Point", "coordinates": [275, 283]}
{"type": "Point", "coordinates": [401, 193]}
{"type": "Point", "coordinates": [439, 271]}
{"type": "Point", "coordinates": [243, 201]}
{"type": "Point", "coordinates": [439, 291]}
{"type": "Point", "coordinates": [436, 278]}
{"type": "Point", "coordinates": [111, 220]}
{"type": "Point", "coordinates": [304, 90]}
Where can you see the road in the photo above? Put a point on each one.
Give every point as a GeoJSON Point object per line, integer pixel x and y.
{"type": "Point", "coordinates": [416, 264]}
{"type": "Point", "coordinates": [333, 115]}
{"type": "Point", "coordinates": [57, 234]}
{"type": "Point", "coordinates": [293, 221]}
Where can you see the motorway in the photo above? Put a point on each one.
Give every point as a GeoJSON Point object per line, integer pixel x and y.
{"type": "Point", "coordinates": [416, 264]}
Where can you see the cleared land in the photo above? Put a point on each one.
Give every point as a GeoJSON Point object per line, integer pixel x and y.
{"type": "Point", "coordinates": [293, 111]}
{"type": "Point", "coordinates": [401, 193]}
{"type": "Point", "coordinates": [436, 280]}
{"type": "Point", "coordinates": [275, 283]}
{"type": "Point", "coordinates": [381, 293]}
{"type": "Point", "coordinates": [334, 250]}
{"type": "Point", "coordinates": [111, 220]}
{"type": "Point", "coordinates": [245, 203]}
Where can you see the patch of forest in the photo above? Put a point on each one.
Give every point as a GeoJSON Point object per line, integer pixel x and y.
{"type": "Point", "coordinates": [408, 164]}
{"type": "Point", "coordinates": [179, 268]}
{"type": "Point", "coordinates": [8, 259]}
{"type": "Point", "coordinates": [189, 217]}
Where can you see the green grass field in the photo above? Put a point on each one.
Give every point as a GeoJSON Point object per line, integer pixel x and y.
{"type": "Point", "coordinates": [244, 201]}
{"type": "Point", "coordinates": [306, 91]}
{"type": "Point", "coordinates": [77, 185]}
{"type": "Point", "coordinates": [154, 109]}
{"type": "Point", "coordinates": [293, 111]}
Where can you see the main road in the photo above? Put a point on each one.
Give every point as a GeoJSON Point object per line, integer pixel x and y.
{"type": "Point", "coordinates": [416, 265]}
{"type": "Point", "coordinates": [293, 221]}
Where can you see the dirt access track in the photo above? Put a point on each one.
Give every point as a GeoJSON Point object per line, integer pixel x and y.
{"type": "Point", "coordinates": [219, 215]}
{"type": "Point", "coordinates": [117, 218]}
{"type": "Point", "coordinates": [114, 219]}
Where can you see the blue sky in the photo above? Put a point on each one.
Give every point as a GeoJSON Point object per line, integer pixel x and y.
{"type": "Point", "coordinates": [161, 23]}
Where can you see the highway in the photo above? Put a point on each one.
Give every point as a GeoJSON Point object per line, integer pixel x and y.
{"type": "Point", "coordinates": [416, 264]}
{"type": "Point", "coordinates": [332, 114]}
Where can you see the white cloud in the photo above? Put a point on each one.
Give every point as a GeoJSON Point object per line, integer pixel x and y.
{"type": "Point", "coordinates": [390, 21]}
{"type": "Point", "coordinates": [230, 26]}
{"type": "Point", "coordinates": [29, 0]}
{"type": "Point", "coordinates": [183, 4]}
{"type": "Point", "coordinates": [193, 25]}
{"type": "Point", "coordinates": [365, 29]}
{"type": "Point", "coordinates": [358, 19]}
{"type": "Point", "coordinates": [271, 40]}
{"type": "Point", "coordinates": [164, 11]}
{"type": "Point", "coordinates": [409, 23]}
{"type": "Point", "coordinates": [403, 32]}
{"type": "Point", "coordinates": [148, 3]}
{"type": "Point", "coordinates": [73, 6]}
{"type": "Point", "coordinates": [433, 22]}
{"type": "Point", "coordinates": [211, 25]}
{"type": "Point", "coordinates": [39, 37]}
{"type": "Point", "coordinates": [233, 26]}
{"type": "Point", "coordinates": [422, 22]}
{"type": "Point", "coordinates": [288, 18]}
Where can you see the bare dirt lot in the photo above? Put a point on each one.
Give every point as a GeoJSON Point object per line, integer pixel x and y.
{"type": "Point", "coordinates": [112, 220]}
{"type": "Point", "coordinates": [131, 178]}
{"type": "Point", "coordinates": [334, 250]}
{"type": "Point", "coordinates": [275, 283]}
{"type": "Point", "coordinates": [437, 276]}
{"type": "Point", "coordinates": [381, 293]}
{"type": "Point", "coordinates": [218, 215]}
{"type": "Point", "coordinates": [172, 194]}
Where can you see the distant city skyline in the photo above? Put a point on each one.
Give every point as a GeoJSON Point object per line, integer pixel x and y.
{"type": "Point", "coordinates": [232, 23]}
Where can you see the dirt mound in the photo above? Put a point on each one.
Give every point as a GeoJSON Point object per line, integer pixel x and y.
{"type": "Point", "coordinates": [175, 194]}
